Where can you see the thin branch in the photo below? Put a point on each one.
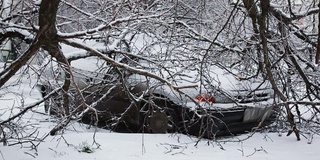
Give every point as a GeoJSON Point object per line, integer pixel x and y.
{"type": "Point", "coordinates": [29, 107]}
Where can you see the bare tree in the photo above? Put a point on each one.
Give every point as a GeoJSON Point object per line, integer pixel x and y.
{"type": "Point", "coordinates": [160, 40]}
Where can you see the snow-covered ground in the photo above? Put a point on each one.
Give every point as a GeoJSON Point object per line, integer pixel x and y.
{"type": "Point", "coordinates": [161, 146]}
{"type": "Point", "coordinates": [112, 146]}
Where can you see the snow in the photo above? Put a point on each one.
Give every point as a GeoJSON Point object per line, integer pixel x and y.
{"type": "Point", "coordinates": [37, 2]}
{"type": "Point", "coordinates": [163, 146]}
{"type": "Point", "coordinates": [107, 145]}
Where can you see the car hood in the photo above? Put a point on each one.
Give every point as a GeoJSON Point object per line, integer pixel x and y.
{"type": "Point", "coordinates": [184, 89]}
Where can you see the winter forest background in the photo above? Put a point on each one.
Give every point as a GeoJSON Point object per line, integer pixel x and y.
{"type": "Point", "coordinates": [274, 39]}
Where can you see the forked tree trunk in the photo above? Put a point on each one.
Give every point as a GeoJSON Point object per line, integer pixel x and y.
{"type": "Point", "coordinates": [49, 41]}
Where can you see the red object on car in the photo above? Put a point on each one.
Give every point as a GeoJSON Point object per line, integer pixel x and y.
{"type": "Point", "coordinates": [205, 97]}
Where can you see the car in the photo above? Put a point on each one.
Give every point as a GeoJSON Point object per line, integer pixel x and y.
{"type": "Point", "coordinates": [124, 101]}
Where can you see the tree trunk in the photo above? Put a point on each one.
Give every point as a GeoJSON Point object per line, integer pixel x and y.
{"type": "Point", "coordinates": [265, 4]}
{"type": "Point", "coordinates": [318, 46]}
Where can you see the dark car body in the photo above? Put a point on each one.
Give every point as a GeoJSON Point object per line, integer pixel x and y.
{"type": "Point", "coordinates": [156, 112]}
{"type": "Point", "coordinates": [131, 102]}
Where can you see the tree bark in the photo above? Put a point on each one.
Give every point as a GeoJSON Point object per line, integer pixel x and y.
{"type": "Point", "coordinates": [265, 5]}
{"type": "Point", "coordinates": [46, 37]}
{"type": "Point", "coordinates": [49, 41]}
{"type": "Point", "coordinates": [318, 46]}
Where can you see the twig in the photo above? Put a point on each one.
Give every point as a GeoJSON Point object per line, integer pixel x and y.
{"type": "Point", "coordinates": [30, 154]}
{"type": "Point", "coordinates": [2, 155]}
{"type": "Point", "coordinates": [174, 147]}
{"type": "Point", "coordinates": [257, 150]}
{"type": "Point", "coordinates": [29, 107]}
